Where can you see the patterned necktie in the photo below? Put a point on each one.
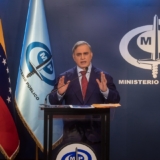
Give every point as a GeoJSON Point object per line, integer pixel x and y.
{"type": "Point", "coordinates": [84, 83]}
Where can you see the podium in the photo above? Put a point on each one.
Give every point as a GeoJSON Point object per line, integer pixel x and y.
{"type": "Point", "coordinates": [52, 110]}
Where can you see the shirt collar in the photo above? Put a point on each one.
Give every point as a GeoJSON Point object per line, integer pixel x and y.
{"type": "Point", "coordinates": [80, 69]}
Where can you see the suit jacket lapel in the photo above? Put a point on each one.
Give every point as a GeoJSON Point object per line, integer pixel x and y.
{"type": "Point", "coordinates": [91, 84]}
{"type": "Point", "coordinates": [76, 86]}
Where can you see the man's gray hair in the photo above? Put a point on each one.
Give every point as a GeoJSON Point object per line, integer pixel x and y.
{"type": "Point", "coordinates": [79, 43]}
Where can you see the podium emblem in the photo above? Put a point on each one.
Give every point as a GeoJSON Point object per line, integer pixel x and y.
{"type": "Point", "coordinates": [76, 151]}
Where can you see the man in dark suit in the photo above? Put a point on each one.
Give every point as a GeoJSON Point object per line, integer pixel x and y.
{"type": "Point", "coordinates": [100, 86]}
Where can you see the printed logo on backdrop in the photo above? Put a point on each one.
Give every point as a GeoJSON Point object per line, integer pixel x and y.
{"type": "Point", "coordinates": [148, 40]}
{"type": "Point", "coordinates": [40, 64]}
{"type": "Point", "coordinates": [76, 151]}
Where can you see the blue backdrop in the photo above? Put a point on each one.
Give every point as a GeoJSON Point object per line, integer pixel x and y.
{"type": "Point", "coordinates": [135, 127]}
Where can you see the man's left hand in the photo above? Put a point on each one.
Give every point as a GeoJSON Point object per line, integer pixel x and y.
{"type": "Point", "coordinates": [102, 83]}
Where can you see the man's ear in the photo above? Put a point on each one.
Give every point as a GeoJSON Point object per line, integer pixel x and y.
{"type": "Point", "coordinates": [73, 56]}
{"type": "Point", "coordinates": [91, 54]}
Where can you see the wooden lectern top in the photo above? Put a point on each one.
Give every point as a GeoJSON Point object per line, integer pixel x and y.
{"type": "Point", "coordinates": [109, 105]}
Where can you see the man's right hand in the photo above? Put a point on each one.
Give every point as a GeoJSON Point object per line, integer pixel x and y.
{"type": "Point", "coordinates": [61, 83]}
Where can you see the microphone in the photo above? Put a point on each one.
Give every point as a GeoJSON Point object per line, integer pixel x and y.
{"type": "Point", "coordinates": [54, 90]}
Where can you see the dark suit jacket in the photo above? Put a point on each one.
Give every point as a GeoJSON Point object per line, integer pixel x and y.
{"type": "Point", "coordinates": [73, 95]}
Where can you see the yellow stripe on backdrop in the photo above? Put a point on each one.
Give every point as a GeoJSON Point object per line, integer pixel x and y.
{"type": "Point", "coordinates": [2, 37]}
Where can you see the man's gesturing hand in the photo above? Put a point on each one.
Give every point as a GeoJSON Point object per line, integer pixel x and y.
{"type": "Point", "coordinates": [61, 83]}
{"type": "Point", "coordinates": [102, 83]}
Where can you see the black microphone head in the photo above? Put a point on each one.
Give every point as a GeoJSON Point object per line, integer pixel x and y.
{"type": "Point", "coordinates": [86, 69]}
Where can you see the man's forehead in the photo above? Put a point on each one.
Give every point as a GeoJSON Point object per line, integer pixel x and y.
{"type": "Point", "coordinates": [82, 47]}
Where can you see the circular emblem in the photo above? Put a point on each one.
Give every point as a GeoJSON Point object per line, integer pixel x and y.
{"type": "Point", "coordinates": [123, 47]}
{"type": "Point", "coordinates": [76, 151]}
{"type": "Point", "coordinates": [39, 62]}
{"type": "Point", "coordinates": [147, 40]}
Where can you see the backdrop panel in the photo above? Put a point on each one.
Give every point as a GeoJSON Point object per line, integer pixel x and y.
{"type": "Point", "coordinates": [124, 36]}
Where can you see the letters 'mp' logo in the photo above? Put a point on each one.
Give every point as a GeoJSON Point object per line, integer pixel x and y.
{"type": "Point", "coordinates": [148, 41]}
{"type": "Point", "coordinates": [76, 151]}
{"type": "Point", "coordinates": [39, 62]}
